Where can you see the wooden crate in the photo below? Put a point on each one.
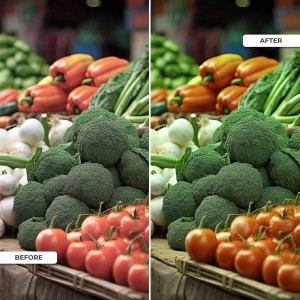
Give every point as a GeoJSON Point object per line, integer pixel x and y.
{"type": "Point", "coordinates": [86, 283]}
{"type": "Point", "coordinates": [231, 281]}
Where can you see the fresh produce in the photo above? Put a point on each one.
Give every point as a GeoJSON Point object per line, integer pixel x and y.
{"type": "Point", "coordinates": [6, 211]}
{"type": "Point", "coordinates": [8, 184]}
{"type": "Point", "coordinates": [31, 132]}
{"type": "Point", "coordinates": [170, 67]}
{"type": "Point", "coordinates": [9, 95]}
{"type": "Point", "coordinates": [2, 228]}
{"type": "Point", "coordinates": [57, 130]}
{"type": "Point", "coordinates": [207, 128]}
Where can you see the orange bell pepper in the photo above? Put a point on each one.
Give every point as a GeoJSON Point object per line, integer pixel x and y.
{"type": "Point", "coordinates": [79, 98]}
{"type": "Point", "coordinates": [159, 95]}
{"type": "Point", "coordinates": [43, 98]}
{"type": "Point", "coordinates": [69, 71]}
{"type": "Point", "coordinates": [9, 95]}
{"type": "Point", "coordinates": [250, 70]}
{"type": "Point", "coordinates": [228, 99]}
{"type": "Point", "coordinates": [218, 71]}
{"type": "Point", "coordinates": [192, 98]}
{"type": "Point", "coordinates": [101, 70]}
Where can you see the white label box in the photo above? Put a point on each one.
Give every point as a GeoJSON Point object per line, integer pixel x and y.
{"type": "Point", "coordinates": [28, 257]}
{"type": "Point", "coordinates": [272, 40]}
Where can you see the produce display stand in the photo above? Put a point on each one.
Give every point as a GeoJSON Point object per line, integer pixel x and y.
{"type": "Point", "coordinates": [55, 282]}
{"type": "Point", "coordinates": [209, 281]}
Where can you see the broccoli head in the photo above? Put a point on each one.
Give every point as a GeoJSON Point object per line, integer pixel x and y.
{"type": "Point", "coordinates": [203, 187]}
{"type": "Point", "coordinates": [29, 202]}
{"type": "Point", "coordinates": [133, 169]}
{"type": "Point", "coordinates": [274, 194]}
{"type": "Point", "coordinates": [64, 210]}
{"type": "Point", "coordinates": [214, 210]}
{"type": "Point", "coordinates": [126, 194]}
{"type": "Point", "coordinates": [264, 174]}
{"type": "Point", "coordinates": [202, 162]}
{"type": "Point", "coordinates": [144, 141]}
{"type": "Point", "coordinates": [54, 187]}
{"type": "Point", "coordinates": [284, 169]}
{"type": "Point", "coordinates": [178, 202]}
{"type": "Point", "coordinates": [243, 135]}
{"type": "Point", "coordinates": [217, 136]}
{"type": "Point", "coordinates": [90, 183]}
{"type": "Point", "coordinates": [101, 141]}
{"type": "Point", "coordinates": [116, 179]}
{"type": "Point", "coordinates": [294, 141]}
{"type": "Point", "coordinates": [45, 165]}
{"type": "Point", "coordinates": [279, 130]}
{"type": "Point", "coordinates": [177, 232]}
{"type": "Point", "coordinates": [29, 230]}
{"type": "Point", "coordinates": [240, 183]}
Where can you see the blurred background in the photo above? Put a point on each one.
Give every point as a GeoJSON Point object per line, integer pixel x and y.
{"type": "Point", "coordinates": [55, 28]}
{"type": "Point", "coordinates": [205, 28]}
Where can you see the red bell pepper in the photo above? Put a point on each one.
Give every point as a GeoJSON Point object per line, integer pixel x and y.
{"type": "Point", "coordinates": [79, 98]}
{"type": "Point", "coordinates": [9, 95]}
{"type": "Point", "coordinates": [43, 98]}
{"type": "Point", "coordinates": [101, 70]}
{"type": "Point", "coordinates": [69, 71]}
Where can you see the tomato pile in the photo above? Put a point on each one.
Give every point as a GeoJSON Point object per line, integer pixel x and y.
{"type": "Point", "coordinates": [263, 247]}
{"type": "Point", "coordinates": [111, 246]}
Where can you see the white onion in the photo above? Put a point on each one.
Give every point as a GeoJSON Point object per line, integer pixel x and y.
{"type": "Point", "coordinates": [31, 132]}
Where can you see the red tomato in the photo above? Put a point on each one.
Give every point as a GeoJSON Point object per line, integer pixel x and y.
{"type": "Point", "coordinates": [123, 263]}
{"type": "Point", "coordinates": [226, 253]}
{"type": "Point", "coordinates": [141, 209]}
{"type": "Point", "coordinates": [119, 245]}
{"type": "Point", "coordinates": [131, 227]}
{"type": "Point", "coordinates": [285, 244]}
{"type": "Point", "coordinates": [53, 239]}
{"type": "Point", "coordinates": [201, 244]}
{"type": "Point", "coordinates": [138, 277]}
{"type": "Point", "coordinates": [263, 218]}
{"type": "Point", "coordinates": [280, 227]}
{"type": "Point", "coordinates": [74, 236]}
{"type": "Point", "coordinates": [267, 245]}
{"type": "Point", "coordinates": [99, 263]}
{"type": "Point", "coordinates": [271, 265]}
{"type": "Point", "coordinates": [296, 235]}
{"type": "Point", "coordinates": [243, 226]}
{"type": "Point", "coordinates": [223, 236]}
{"type": "Point", "coordinates": [146, 235]}
{"type": "Point", "coordinates": [288, 278]}
{"type": "Point", "coordinates": [248, 262]}
{"type": "Point", "coordinates": [114, 218]}
{"type": "Point", "coordinates": [94, 226]}
{"type": "Point", "coordinates": [77, 252]}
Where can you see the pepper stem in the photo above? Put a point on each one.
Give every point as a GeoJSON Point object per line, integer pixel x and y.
{"type": "Point", "coordinates": [27, 99]}
{"type": "Point", "coordinates": [208, 77]}
{"type": "Point", "coordinates": [236, 81]}
{"type": "Point", "coordinates": [87, 81]}
{"type": "Point", "coordinates": [58, 78]}
{"type": "Point", "coordinates": [177, 100]}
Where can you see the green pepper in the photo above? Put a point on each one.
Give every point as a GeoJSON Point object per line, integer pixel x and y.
{"type": "Point", "coordinates": [23, 46]}
{"type": "Point", "coordinates": [179, 81]}
{"type": "Point", "coordinates": [155, 73]}
{"type": "Point", "coordinates": [2, 65]}
{"type": "Point", "coordinates": [32, 80]}
{"type": "Point", "coordinates": [172, 46]}
{"type": "Point", "coordinates": [5, 53]}
{"type": "Point", "coordinates": [11, 63]}
{"type": "Point", "coordinates": [21, 57]}
{"type": "Point", "coordinates": [8, 109]}
{"type": "Point", "coordinates": [194, 70]}
{"type": "Point", "coordinates": [160, 63]}
{"type": "Point", "coordinates": [186, 58]}
{"type": "Point", "coordinates": [172, 71]}
{"type": "Point", "coordinates": [170, 57]}
{"type": "Point", "coordinates": [23, 70]}
{"type": "Point", "coordinates": [4, 73]}
{"type": "Point", "coordinates": [18, 83]}
{"type": "Point", "coordinates": [156, 82]}
{"type": "Point", "coordinates": [158, 108]}
{"type": "Point", "coordinates": [168, 82]}
{"type": "Point", "coordinates": [44, 70]}
{"type": "Point", "coordinates": [185, 68]}
{"type": "Point", "coordinates": [7, 40]}
{"type": "Point", "coordinates": [156, 53]}
{"type": "Point", "coordinates": [35, 67]}
{"type": "Point", "coordinates": [6, 82]}
{"type": "Point", "coordinates": [36, 58]}
{"type": "Point", "coordinates": [157, 40]}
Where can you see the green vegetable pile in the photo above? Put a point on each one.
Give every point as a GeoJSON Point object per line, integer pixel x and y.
{"type": "Point", "coordinates": [19, 66]}
{"type": "Point", "coordinates": [253, 160]}
{"type": "Point", "coordinates": [101, 162]}
{"type": "Point", "coordinates": [277, 94]}
{"type": "Point", "coordinates": [170, 68]}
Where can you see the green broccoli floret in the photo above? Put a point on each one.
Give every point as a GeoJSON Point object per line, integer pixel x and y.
{"type": "Point", "coordinates": [251, 142]}
{"type": "Point", "coordinates": [217, 137]}
{"type": "Point", "coordinates": [177, 232]}
{"type": "Point", "coordinates": [274, 194]}
{"type": "Point", "coordinates": [178, 202]}
{"type": "Point", "coordinates": [54, 187]}
{"type": "Point", "coordinates": [279, 130]}
{"type": "Point", "coordinates": [126, 194]}
{"type": "Point", "coordinates": [101, 141]}
{"type": "Point", "coordinates": [127, 127]}
{"type": "Point", "coordinates": [264, 174]}
{"type": "Point", "coordinates": [116, 179]}
{"type": "Point", "coordinates": [48, 164]}
{"type": "Point", "coordinates": [29, 202]}
{"type": "Point", "coordinates": [240, 183]}
{"type": "Point", "coordinates": [203, 187]}
{"type": "Point", "coordinates": [69, 147]}
{"type": "Point", "coordinates": [90, 183]}
{"type": "Point", "coordinates": [144, 141]}
{"type": "Point", "coordinates": [65, 209]}
{"type": "Point", "coordinates": [69, 135]}
{"type": "Point", "coordinates": [202, 162]}
{"type": "Point", "coordinates": [133, 169]}
{"type": "Point", "coordinates": [284, 169]}
{"type": "Point", "coordinates": [214, 210]}
{"type": "Point", "coordinates": [28, 231]}
{"type": "Point", "coordinates": [294, 141]}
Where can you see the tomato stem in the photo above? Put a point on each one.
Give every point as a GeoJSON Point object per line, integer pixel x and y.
{"type": "Point", "coordinates": [202, 222]}
{"type": "Point", "coordinates": [291, 238]}
{"type": "Point", "coordinates": [217, 228]}
{"type": "Point", "coordinates": [249, 209]}
{"type": "Point", "coordinates": [69, 227]}
{"type": "Point", "coordinates": [100, 209]}
{"type": "Point", "coordinates": [247, 247]}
